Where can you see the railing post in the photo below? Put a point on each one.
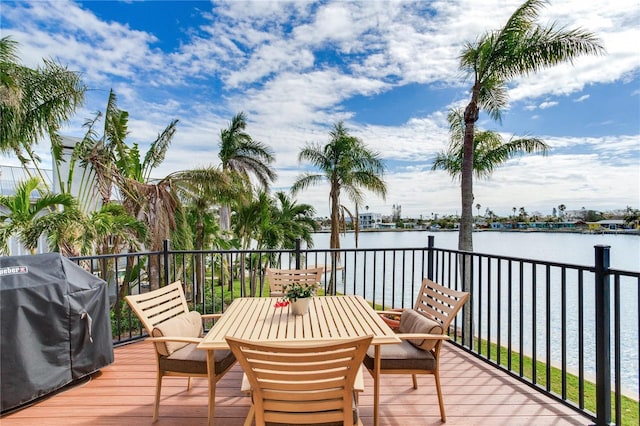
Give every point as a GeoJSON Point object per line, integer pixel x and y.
{"type": "Point", "coordinates": [603, 336]}
{"type": "Point", "coordinates": [430, 253]}
{"type": "Point", "coordinates": [297, 253]}
{"type": "Point", "coordinates": [165, 253]}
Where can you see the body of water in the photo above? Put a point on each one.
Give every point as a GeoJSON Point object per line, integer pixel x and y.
{"type": "Point", "coordinates": [567, 248]}
{"type": "Point", "coordinates": [571, 248]}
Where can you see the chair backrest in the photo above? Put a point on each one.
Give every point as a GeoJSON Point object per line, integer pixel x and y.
{"type": "Point", "coordinates": [158, 306]}
{"type": "Point", "coordinates": [301, 384]}
{"type": "Point", "coordinates": [278, 279]}
{"type": "Point", "coordinates": [439, 303]}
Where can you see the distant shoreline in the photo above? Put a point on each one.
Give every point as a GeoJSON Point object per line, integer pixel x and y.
{"type": "Point", "coordinates": [526, 230]}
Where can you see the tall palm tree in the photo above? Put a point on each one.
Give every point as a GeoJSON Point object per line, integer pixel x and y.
{"type": "Point", "coordinates": [520, 48]}
{"type": "Point", "coordinates": [347, 165]}
{"type": "Point", "coordinates": [200, 190]}
{"type": "Point", "coordinates": [34, 103]}
{"type": "Point", "coordinates": [28, 218]}
{"type": "Point", "coordinates": [242, 156]}
{"type": "Point", "coordinates": [490, 149]}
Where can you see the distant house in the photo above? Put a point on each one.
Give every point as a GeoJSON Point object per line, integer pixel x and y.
{"type": "Point", "coordinates": [611, 224]}
{"type": "Point", "coordinates": [369, 220]}
{"type": "Point", "coordinates": [387, 225]}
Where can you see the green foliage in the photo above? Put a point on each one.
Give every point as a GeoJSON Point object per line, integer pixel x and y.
{"type": "Point", "coordinates": [124, 323]}
{"type": "Point", "coordinates": [34, 103]}
{"type": "Point", "coordinates": [28, 219]}
{"type": "Point", "coordinates": [297, 290]}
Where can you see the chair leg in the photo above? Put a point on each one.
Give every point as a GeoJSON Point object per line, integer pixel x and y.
{"type": "Point", "coordinates": [189, 383]}
{"type": "Point", "coordinates": [156, 405]}
{"type": "Point", "coordinates": [249, 420]}
{"type": "Point", "coordinates": [443, 417]}
{"type": "Point", "coordinates": [415, 381]}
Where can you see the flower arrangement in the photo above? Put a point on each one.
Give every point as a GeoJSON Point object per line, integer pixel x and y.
{"type": "Point", "coordinates": [295, 291]}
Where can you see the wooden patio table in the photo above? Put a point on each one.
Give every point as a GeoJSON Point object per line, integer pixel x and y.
{"type": "Point", "coordinates": [330, 318]}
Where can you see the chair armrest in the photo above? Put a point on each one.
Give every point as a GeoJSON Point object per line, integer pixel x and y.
{"type": "Point", "coordinates": [406, 336]}
{"type": "Point", "coordinates": [392, 312]}
{"type": "Point", "coordinates": [174, 339]}
{"type": "Point", "coordinates": [211, 316]}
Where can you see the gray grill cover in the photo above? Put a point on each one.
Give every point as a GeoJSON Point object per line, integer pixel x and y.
{"type": "Point", "coordinates": [50, 311]}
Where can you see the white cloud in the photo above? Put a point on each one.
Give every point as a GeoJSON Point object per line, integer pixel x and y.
{"type": "Point", "coordinates": [269, 60]}
{"type": "Point", "coordinates": [547, 104]}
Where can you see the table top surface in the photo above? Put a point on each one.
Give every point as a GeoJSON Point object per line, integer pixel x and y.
{"type": "Point", "coordinates": [329, 318]}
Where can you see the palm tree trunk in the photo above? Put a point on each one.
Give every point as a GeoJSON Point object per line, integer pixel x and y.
{"type": "Point", "coordinates": [225, 226]}
{"type": "Point", "coordinates": [199, 262]}
{"type": "Point", "coordinates": [465, 234]}
{"type": "Point", "coordinates": [334, 242]}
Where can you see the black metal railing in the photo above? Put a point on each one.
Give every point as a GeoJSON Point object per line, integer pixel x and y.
{"type": "Point", "coordinates": [560, 328]}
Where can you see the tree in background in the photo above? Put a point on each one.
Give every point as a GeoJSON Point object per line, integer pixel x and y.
{"type": "Point", "coordinates": [490, 149]}
{"type": "Point", "coordinates": [34, 103]}
{"type": "Point", "coordinates": [28, 218]}
{"type": "Point", "coordinates": [242, 157]}
{"type": "Point", "coordinates": [201, 190]}
{"type": "Point", "coordinates": [520, 48]}
{"type": "Point", "coordinates": [271, 223]}
{"type": "Point", "coordinates": [347, 165]}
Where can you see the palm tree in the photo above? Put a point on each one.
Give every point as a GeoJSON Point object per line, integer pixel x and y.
{"type": "Point", "coordinates": [295, 220]}
{"type": "Point", "coordinates": [490, 149]}
{"type": "Point", "coordinates": [520, 48]}
{"type": "Point", "coordinates": [33, 103]}
{"type": "Point", "coordinates": [200, 190]}
{"type": "Point", "coordinates": [28, 218]}
{"type": "Point", "coordinates": [242, 156]}
{"type": "Point", "coordinates": [348, 165]}
{"type": "Point", "coordinates": [272, 223]}
{"type": "Point", "coordinates": [562, 208]}
{"type": "Point", "coordinates": [154, 202]}
{"type": "Point", "coordinates": [113, 230]}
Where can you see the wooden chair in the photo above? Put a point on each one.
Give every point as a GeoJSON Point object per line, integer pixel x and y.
{"type": "Point", "coordinates": [176, 331]}
{"type": "Point", "coordinates": [278, 279]}
{"type": "Point", "coordinates": [302, 384]}
{"type": "Point", "coordinates": [422, 330]}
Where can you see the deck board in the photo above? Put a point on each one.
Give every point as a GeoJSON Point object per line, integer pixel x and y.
{"type": "Point", "coordinates": [122, 394]}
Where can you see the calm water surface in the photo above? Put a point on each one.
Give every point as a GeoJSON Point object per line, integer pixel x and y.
{"type": "Point", "coordinates": [553, 247]}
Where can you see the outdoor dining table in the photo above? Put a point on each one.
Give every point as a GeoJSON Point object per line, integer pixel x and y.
{"type": "Point", "coordinates": [330, 318]}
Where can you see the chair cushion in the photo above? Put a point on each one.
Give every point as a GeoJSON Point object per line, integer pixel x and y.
{"type": "Point", "coordinates": [191, 360]}
{"type": "Point", "coordinates": [414, 322]}
{"type": "Point", "coordinates": [183, 325]}
{"type": "Point", "coordinates": [401, 356]}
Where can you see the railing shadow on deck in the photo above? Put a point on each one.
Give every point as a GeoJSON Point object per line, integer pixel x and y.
{"type": "Point", "coordinates": [568, 331]}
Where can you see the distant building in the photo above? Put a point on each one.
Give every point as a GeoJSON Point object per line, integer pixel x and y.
{"type": "Point", "coordinates": [369, 220]}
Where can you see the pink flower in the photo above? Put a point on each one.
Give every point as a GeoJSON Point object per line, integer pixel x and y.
{"type": "Point", "coordinates": [281, 304]}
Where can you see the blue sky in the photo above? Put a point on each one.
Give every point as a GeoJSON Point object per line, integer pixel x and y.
{"type": "Point", "coordinates": [388, 69]}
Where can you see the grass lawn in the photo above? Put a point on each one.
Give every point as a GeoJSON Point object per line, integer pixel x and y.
{"type": "Point", "coordinates": [628, 405]}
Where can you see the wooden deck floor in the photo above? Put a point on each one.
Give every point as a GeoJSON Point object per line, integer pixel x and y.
{"type": "Point", "coordinates": [122, 394]}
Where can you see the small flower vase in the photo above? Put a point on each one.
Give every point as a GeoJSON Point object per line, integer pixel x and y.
{"type": "Point", "coordinates": [300, 306]}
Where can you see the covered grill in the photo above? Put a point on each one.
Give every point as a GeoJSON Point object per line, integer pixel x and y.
{"type": "Point", "coordinates": [54, 326]}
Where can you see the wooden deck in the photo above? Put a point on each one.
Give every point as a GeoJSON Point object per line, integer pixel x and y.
{"type": "Point", "coordinates": [122, 394]}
